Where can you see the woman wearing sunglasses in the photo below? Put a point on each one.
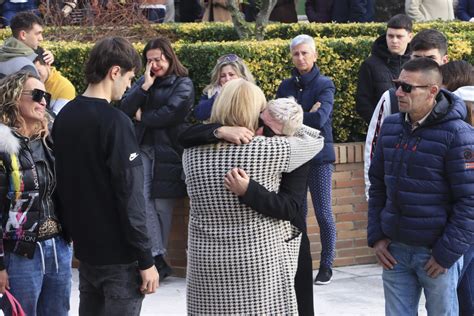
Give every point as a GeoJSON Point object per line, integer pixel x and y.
{"type": "Point", "coordinates": [228, 67]}
{"type": "Point", "coordinates": [159, 102]}
{"type": "Point", "coordinates": [35, 259]}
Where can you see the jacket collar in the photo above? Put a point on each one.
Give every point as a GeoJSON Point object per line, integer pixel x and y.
{"type": "Point", "coordinates": [9, 143]}
{"type": "Point", "coordinates": [302, 80]}
{"type": "Point", "coordinates": [448, 107]}
{"type": "Point", "coordinates": [166, 81]}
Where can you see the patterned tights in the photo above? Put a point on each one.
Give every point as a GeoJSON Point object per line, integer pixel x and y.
{"type": "Point", "coordinates": [320, 186]}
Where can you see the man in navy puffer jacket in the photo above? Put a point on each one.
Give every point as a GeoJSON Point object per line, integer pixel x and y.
{"type": "Point", "coordinates": [421, 198]}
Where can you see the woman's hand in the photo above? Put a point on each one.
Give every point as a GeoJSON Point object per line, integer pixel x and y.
{"type": "Point", "coordinates": [4, 284]}
{"type": "Point", "coordinates": [48, 57]}
{"type": "Point", "coordinates": [234, 134]}
{"type": "Point", "coordinates": [148, 76]}
{"type": "Point", "coordinates": [315, 107]}
{"type": "Point", "coordinates": [237, 181]}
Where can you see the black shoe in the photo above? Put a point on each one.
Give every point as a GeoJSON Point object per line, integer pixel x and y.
{"type": "Point", "coordinates": [164, 270]}
{"type": "Point", "coordinates": [324, 276]}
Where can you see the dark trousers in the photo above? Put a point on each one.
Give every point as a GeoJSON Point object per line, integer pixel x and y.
{"type": "Point", "coordinates": [109, 290]}
{"type": "Point", "coordinates": [304, 279]}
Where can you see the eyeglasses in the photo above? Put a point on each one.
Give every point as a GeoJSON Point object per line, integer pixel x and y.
{"type": "Point", "coordinates": [229, 58]}
{"type": "Point", "coordinates": [406, 87]}
{"type": "Point", "coordinates": [37, 95]}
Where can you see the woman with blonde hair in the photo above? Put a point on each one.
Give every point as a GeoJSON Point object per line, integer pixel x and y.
{"type": "Point", "coordinates": [35, 259]}
{"type": "Point", "coordinates": [228, 67]}
{"type": "Point", "coordinates": [239, 261]}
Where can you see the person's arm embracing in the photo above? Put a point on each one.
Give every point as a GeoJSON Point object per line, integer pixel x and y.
{"type": "Point", "coordinates": [320, 117]}
{"type": "Point", "coordinates": [126, 169]}
{"type": "Point", "coordinates": [303, 146]}
{"type": "Point", "coordinates": [175, 109]}
{"type": "Point", "coordinates": [458, 234]}
{"type": "Point", "coordinates": [202, 134]}
{"type": "Point", "coordinates": [284, 204]}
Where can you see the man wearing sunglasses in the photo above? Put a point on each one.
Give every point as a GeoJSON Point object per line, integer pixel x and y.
{"type": "Point", "coordinates": [421, 198]}
{"type": "Point", "coordinates": [427, 43]}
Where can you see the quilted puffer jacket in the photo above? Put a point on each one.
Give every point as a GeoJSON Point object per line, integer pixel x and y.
{"type": "Point", "coordinates": [422, 182]}
{"type": "Point", "coordinates": [27, 184]}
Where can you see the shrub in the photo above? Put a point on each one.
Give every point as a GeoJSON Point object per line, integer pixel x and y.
{"type": "Point", "coordinates": [270, 63]}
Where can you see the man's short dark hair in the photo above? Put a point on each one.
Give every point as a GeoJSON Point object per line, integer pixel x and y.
{"type": "Point", "coordinates": [39, 58]}
{"type": "Point", "coordinates": [109, 52]}
{"type": "Point", "coordinates": [24, 21]}
{"type": "Point", "coordinates": [427, 66]}
{"type": "Point", "coordinates": [400, 21]}
{"type": "Point", "coordinates": [430, 39]}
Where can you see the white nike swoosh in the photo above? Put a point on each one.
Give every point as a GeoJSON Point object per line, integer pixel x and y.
{"type": "Point", "coordinates": [133, 156]}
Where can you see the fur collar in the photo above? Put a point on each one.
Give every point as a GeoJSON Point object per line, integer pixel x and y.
{"type": "Point", "coordinates": [9, 143]}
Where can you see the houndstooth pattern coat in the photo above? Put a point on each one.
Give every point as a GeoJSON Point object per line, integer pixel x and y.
{"type": "Point", "coordinates": [239, 261]}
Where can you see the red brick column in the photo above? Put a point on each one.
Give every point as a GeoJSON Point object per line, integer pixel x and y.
{"type": "Point", "coordinates": [349, 209]}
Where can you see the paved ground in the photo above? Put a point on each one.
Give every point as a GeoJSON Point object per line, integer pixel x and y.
{"type": "Point", "coordinates": [355, 290]}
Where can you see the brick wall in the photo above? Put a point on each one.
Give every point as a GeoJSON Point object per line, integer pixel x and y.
{"type": "Point", "coordinates": [349, 209]}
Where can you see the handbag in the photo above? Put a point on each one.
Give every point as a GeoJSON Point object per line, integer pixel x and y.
{"type": "Point", "coordinates": [10, 306]}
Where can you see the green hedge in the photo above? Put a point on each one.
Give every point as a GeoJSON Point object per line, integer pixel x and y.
{"type": "Point", "coordinates": [270, 62]}
{"type": "Point", "coordinates": [218, 32]}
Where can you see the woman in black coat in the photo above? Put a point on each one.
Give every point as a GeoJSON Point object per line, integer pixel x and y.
{"type": "Point", "coordinates": [160, 102]}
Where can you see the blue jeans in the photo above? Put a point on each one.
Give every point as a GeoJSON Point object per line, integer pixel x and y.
{"type": "Point", "coordinates": [42, 291]}
{"type": "Point", "coordinates": [109, 290]}
{"type": "Point", "coordinates": [11, 9]}
{"type": "Point", "coordinates": [403, 284]}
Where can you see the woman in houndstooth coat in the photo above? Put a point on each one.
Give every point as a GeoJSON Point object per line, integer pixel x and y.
{"type": "Point", "coordinates": [240, 261]}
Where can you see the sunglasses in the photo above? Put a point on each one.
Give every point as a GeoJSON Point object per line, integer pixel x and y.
{"type": "Point", "coordinates": [267, 131]}
{"type": "Point", "coordinates": [37, 95]}
{"type": "Point", "coordinates": [406, 87]}
{"type": "Point", "coordinates": [229, 58]}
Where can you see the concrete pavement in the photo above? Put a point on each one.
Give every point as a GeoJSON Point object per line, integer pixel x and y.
{"type": "Point", "coordinates": [354, 290]}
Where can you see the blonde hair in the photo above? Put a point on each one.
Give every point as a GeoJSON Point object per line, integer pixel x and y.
{"type": "Point", "coordinates": [239, 104]}
{"type": "Point", "coordinates": [11, 88]}
{"type": "Point", "coordinates": [239, 67]}
{"type": "Point", "coordinates": [288, 112]}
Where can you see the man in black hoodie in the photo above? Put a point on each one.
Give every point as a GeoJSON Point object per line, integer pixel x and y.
{"type": "Point", "coordinates": [389, 52]}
